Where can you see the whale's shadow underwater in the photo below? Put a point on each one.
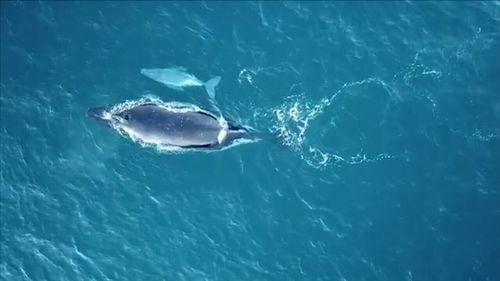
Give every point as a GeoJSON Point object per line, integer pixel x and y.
{"type": "Point", "coordinates": [174, 125]}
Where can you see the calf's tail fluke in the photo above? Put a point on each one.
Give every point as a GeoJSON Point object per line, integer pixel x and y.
{"type": "Point", "coordinates": [210, 86]}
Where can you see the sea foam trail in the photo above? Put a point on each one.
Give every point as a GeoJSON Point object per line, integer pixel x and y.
{"type": "Point", "coordinates": [292, 120]}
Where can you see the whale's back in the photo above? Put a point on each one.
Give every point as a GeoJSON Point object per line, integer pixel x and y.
{"type": "Point", "coordinates": [156, 124]}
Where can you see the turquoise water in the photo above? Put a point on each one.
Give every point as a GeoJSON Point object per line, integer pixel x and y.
{"type": "Point", "coordinates": [386, 167]}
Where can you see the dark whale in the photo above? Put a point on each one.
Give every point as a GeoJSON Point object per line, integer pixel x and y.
{"type": "Point", "coordinates": [187, 127]}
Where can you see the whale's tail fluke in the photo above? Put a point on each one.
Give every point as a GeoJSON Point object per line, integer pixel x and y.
{"type": "Point", "coordinates": [210, 86]}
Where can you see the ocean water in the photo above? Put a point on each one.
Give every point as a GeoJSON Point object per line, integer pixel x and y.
{"type": "Point", "coordinates": [386, 166]}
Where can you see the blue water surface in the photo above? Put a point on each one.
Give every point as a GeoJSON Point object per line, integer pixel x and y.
{"type": "Point", "coordinates": [386, 166]}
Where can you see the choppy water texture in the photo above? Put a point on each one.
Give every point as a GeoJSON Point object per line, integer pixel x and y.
{"type": "Point", "coordinates": [386, 167]}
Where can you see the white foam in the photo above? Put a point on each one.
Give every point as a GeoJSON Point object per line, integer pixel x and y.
{"type": "Point", "coordinates": [222, 135]}
{"type": "Point", "coordinates": [294, 118]}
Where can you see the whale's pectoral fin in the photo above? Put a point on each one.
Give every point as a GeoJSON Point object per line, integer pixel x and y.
{"type": "Point", "coordinates": [210, 86]}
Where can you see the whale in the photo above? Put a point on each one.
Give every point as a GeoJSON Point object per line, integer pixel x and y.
{"type": "Point", "coordinates": [183, 126]}
{"type": "Point", "coordinates": [178, 78]}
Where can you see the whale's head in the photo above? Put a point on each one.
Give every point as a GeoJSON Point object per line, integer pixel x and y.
{"type": "Point", "coordinates": [131, 121]}
{"type": "Point", "coordinates": [102, 115]}
{"type": "Point", "coordinates": [97, 112]}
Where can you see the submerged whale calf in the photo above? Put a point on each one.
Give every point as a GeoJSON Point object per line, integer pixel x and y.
{"type": "Point", "coordinates": [183, 127]}
{"type": "Point", "coordinates": [177, 78]}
